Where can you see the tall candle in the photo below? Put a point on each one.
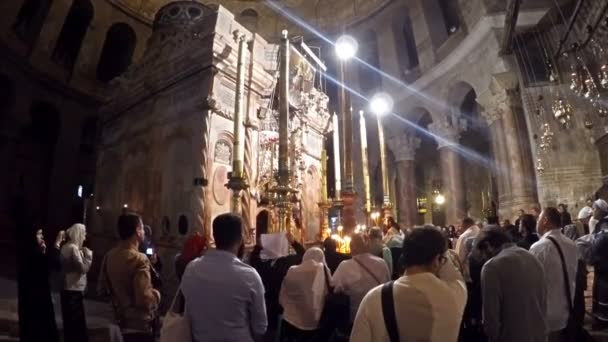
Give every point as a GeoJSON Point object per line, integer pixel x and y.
{"type": "Point", "coordinates": [336, 137]}
{"type": "Point", "coordinates": [364, 160]}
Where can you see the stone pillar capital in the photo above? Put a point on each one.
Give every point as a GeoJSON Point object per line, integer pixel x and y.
{"type": "Point", "coordinates": [403, 146]}
{"type": "Point", "coordinates": [446, 134]}
{"type": "Point", "coordinates": [498, 98]}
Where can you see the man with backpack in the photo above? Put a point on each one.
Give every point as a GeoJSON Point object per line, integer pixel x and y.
{"type": "Point", "coordinates": [425, 304]}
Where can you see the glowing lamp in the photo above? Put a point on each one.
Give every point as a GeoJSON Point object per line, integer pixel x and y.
{"type": "Point", "coordinates": [346, 47]}
{"type": "Point", "coordinates": [381, 104]}
{"type": "Point", "coordinates": [439, 199]}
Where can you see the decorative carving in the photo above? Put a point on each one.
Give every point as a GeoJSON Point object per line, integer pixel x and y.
{"type": "Point", "coordinates": [223, 152]}
{"type": "Point", "coordinates": [494, 104]}
{"type": "Point", "coordinates": [404, 147]}
{"type": "Point", "coordinates": [447, 135]}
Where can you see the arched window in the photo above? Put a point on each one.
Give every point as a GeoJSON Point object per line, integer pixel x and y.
{"type": "Point", "coordinates": [117, 52]}
{"type": "Point", "coordinates": [249, 19]}
{"type": "Point", "coordinates": [7, 95]}
{"type": "Point", "coordinates": [182, 225]}
{"type": "Point", "coordinates": [30, 18]}
{"type": "Point", "coordinates": [165, 226]}
{"type": "Point", "coordinates": [72, 34]}
{"type": "Point", "coordinates": [442, 19]}
{"type": "Point", "coordinates": [405, 42]}
{"type": "Point", "coordinates": [369, 79]}
{"type": "Point", "coordinates": [449, 11]}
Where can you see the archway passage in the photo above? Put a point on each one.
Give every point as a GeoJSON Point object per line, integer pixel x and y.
{"type": "Point", "coordinates": [427, 174]}
{"type": "Point", "coordinates": [117, 52]}
{"type": "Point", "coordinates": [479, 177]}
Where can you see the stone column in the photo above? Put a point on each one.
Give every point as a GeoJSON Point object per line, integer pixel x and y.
{"type": "Point", "coordinates": [451, 172]}
{"type": "Point", "coordinates": [404, 149]}
{"type": "Point", "coordinates": [501, 102]}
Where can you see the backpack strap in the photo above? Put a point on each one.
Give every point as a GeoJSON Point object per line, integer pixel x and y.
{"type": "Point", "coordinates": [388, 311]}
{"type": "Point", "coordinates": [565, 271]}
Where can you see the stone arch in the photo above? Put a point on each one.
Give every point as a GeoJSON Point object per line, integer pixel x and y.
{"type": "Point", "coordinates": [7, 95]}
{"type": "Point", "coordinates": [455, 96]}
{"type": "Point", "coordinates": [117, 52]}
{"type": "Point", "coordinates": [30, 18]}
{"type": "Point", "coordinates": [368, 47]}
{"type": "Point", "coordinates": [249, 18]}
{"type": "Point", "coordinates": [73, 32]}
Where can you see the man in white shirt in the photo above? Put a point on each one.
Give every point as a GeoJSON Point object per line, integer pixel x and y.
{"type": "Point", "coordinates": [357, 276]}
{"type": "Point", "coordinates": [558, 308]}
{"type": "Point", "coordinates": [429, 298]}
{"type": "Point", "coordinates": [224, 296]}
{"type": "Point", "coordinates": [469, 231]}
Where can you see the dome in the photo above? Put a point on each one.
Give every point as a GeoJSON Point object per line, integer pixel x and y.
{"type": "Point", "coordinates": [179, 14]}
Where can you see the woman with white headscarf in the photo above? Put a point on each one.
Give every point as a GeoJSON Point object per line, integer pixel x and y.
{"type": "Point", "coordinates": [302, 296]}
{"type": "Point", "coordinates": [75, 261]}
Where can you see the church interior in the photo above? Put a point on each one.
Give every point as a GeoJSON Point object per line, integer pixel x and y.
{"type": "Point", "coordinates": [320, 117]}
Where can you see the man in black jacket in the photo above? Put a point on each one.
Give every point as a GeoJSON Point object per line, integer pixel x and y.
{"type": "Point", "coordinates": [272, 273]}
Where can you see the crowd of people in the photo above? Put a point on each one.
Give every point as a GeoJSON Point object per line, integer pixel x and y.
{"type": "Point", "coordinates": [474, 282]}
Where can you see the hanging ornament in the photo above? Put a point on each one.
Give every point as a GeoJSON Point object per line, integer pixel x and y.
{"type": "Point", "coordinates": [562, 111]}
{"type": "Point", "coordinates": [553, 77]}
{"type": "Point", "coordinates": [602, 112]}
{"type": "Point", "coordinates": [540, 108]}
{"type": "Point", "coordinates": [546, 137]}
{"type": "Point", "coordinates": [588, 122]}
{"type": "Point", "coordinates": [539, 166]}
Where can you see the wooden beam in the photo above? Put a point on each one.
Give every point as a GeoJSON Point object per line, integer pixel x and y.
{"type": "Point", "coordinates": [506, 47]}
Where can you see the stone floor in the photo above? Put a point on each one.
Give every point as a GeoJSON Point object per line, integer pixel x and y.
{"type": "Point", "coordinates": [99, 315]}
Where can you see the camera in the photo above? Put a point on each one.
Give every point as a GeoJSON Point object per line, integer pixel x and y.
{"type": "Point", "coordinates": [150, 251]}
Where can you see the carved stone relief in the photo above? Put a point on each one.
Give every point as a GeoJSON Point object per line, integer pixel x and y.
{"type": "Point", "coordinates": [223, 152]}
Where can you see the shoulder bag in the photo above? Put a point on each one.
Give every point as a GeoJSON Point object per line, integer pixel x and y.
{"type": "Point", "coordinates": [176, 325]}
{"type": "Point", "coordinates": [574, 331]}
{"type": "Point", "coordinates": [388, 311]}
{"type": "Point", "coordinates": [335, 314]}
{"type": "Point", "coordinates": [368, 271]}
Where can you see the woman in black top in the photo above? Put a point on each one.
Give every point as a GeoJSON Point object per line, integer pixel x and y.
{"type": "Point", "coordinates": [527, 227]}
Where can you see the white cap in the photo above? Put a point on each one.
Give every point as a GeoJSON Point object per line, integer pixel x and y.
{"type": "Point", "coordinates": [601, 205]}
{"type": "Point", "coordinates": [584, 213]}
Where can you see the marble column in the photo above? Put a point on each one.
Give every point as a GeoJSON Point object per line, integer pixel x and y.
{"type": "Point", "coordinates": [451, 172]}
{"type": "Point", "coordinates": [404, 149]}
{"type": "Point", "coordinates": [500, 104]}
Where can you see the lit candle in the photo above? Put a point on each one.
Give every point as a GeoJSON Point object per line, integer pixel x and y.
{"type": "Point", "coordinates": [366, 181]}
{"type": "Point", "coordinates": [336, 137]}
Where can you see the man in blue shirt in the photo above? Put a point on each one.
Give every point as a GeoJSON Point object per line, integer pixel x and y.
{"type": "Point", "coordinates": [224, 296]}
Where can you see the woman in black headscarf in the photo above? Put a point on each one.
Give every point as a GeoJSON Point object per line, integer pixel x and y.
{"type": "Point", "coordinates": [35, 261]}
